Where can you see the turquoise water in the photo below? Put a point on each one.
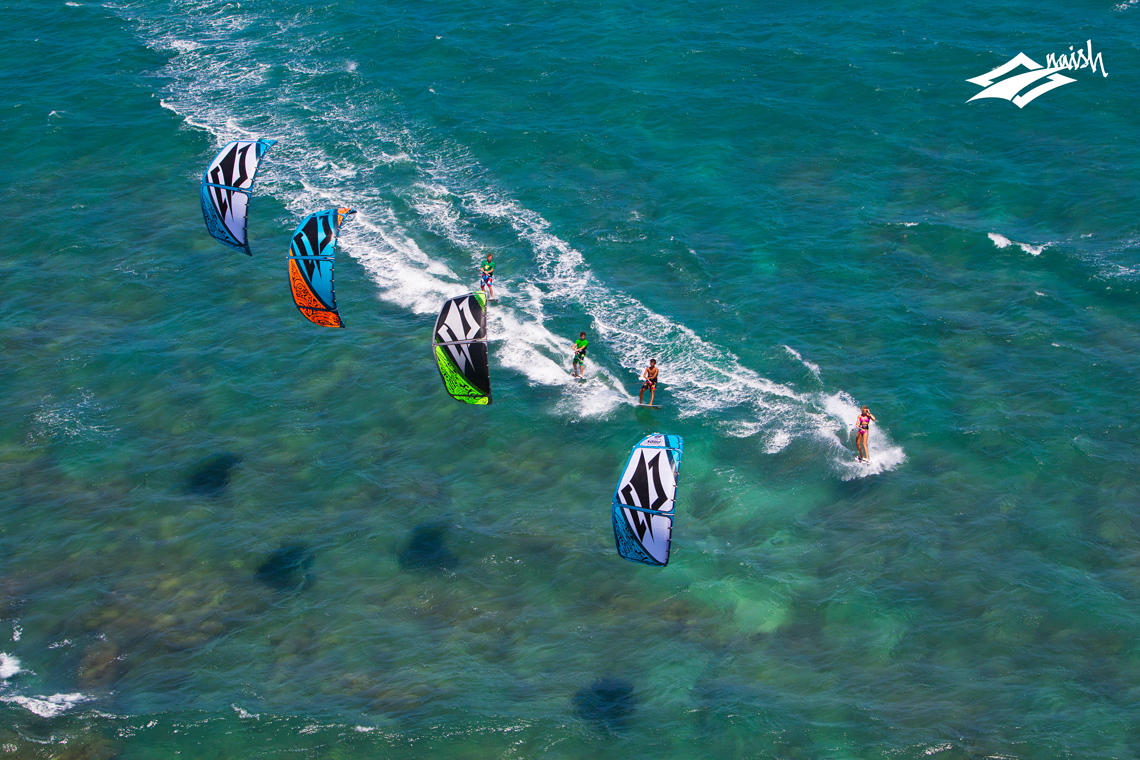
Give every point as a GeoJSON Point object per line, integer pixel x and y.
{"type": "Point", "coordinates": [226, 532]}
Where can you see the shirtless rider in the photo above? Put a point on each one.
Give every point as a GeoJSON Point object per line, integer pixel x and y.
{"type": "Point", "coordinates": [650, 384]}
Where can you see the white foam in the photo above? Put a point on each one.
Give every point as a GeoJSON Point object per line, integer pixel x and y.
{"type": "Point", "coordinates": [9, 666]}
{"type": "Point", "coordinates": [17, 632]}
{"type": "Point", "coordinates": [743, 428]}
{"type": "Point", "coordinates": [524, 344]}
{"type": "Point", "coordinates": [433, 203]}
{"type": "Point", "coordinates": [183, 46]}
{"type": "Point", "coordinates": [404, 274]}
{"type": "Point", "coordinates": [47, 707]}
{"type": "Point", "coordinates": [936, 748]}
{"type": "Point", "coordinates": [243, 714]}
{"type": "Point", "coordinates": [777, 442]}
{"type": "Point", "coordinates": [810, 365]}
{"type": "Point", "coordinates": [1001, 241]}
{"type": "Point", "coordinates": [394, 158]}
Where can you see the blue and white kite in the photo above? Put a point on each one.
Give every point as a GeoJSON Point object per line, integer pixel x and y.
{"type": "Point", "coordinates": [226, 188]}
{"type": "Point", "coordinates": [645, 498]}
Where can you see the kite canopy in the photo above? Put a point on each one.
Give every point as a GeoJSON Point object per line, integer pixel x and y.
{"type": "Point", "coordinates": [226, 188]}
{"type": "Point", "coordinates": [311, 255]}
{"type": "Point", "coordinates": [460, 346]}
{"type": "Point", "coordinates": [644, 500]}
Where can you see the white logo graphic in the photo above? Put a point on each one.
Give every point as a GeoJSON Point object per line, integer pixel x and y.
{"type": "Point", "coordinates": [1011, 88]}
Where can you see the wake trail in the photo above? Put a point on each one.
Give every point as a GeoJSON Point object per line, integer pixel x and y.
{"type": "Point", "coordinates": [218, 85]}
{"type": "Point", "coordinates": [704, 378]}
{"type": "Point", "coordinates": [217, 82]}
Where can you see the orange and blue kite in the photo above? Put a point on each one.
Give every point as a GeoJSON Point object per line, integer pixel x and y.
{"type": "Point", "coordinates": [311, 255]}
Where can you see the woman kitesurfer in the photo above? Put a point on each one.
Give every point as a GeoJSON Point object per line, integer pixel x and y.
{"type": "Point", "coordinates": [862, 430]}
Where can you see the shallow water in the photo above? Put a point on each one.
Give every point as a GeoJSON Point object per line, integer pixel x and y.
{"type": "Point", "coordinates": [227, 532]}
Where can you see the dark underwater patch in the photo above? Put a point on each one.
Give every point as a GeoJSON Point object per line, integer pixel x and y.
{"type": "Point", "coordinates": [607, 704]}
{"type": "Point", "coordinates": [286, 569]}
{"type": "Point", "coordinates": [211, 476]}
{"type": "Point", "coordinates": [427, 550]}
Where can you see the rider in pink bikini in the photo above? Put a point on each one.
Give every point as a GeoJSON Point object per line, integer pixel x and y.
{"type": "Point", "coordinates": [862, 429]}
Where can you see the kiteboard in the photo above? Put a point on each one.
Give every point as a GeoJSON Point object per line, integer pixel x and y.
{"type": "Point", "coordinates": [651, 406]}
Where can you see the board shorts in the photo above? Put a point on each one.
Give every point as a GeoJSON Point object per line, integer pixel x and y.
{"type": "Point", "coordinates": [649, 385]}
{"type": "Point", "coordinates": [580, 359]}
{"type": "Point", "coordinates": [487, 279]}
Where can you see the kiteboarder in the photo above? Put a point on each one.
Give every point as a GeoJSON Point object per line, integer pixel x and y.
{"type": "Point", "coordinates": [580, 354]}
{"type": "Point", "coordinates": [862, 430]}
{"type": "Point", "coordinates": [650, 384]}
{"type": "Point", "coordinates": [486, 277]}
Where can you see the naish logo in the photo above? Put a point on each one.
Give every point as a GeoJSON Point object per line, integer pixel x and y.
{"type": "Point", "coordinates": [1014, 89]}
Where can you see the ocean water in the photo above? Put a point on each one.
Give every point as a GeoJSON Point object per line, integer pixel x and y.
{"type": "Point", "coordinates": [228, 533]}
